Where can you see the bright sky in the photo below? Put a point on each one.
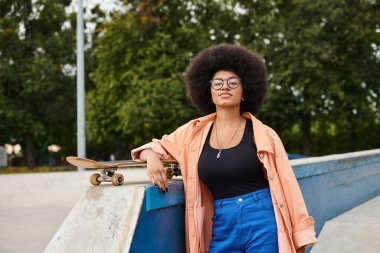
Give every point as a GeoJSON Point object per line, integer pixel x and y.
{"type": "Point", "coordinates": [105, 5]}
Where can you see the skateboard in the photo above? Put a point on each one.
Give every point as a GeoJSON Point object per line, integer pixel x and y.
{"type": "Point", "coordinates": [107, 171]}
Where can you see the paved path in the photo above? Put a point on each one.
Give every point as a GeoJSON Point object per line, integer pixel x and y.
{"type": "Point", "coordinates": [357, 230]}
{"type": "Point", "coordinates": [34, 205]}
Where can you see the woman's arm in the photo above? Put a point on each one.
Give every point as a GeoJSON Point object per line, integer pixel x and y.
{"type": "Point", "coordinates": [146, 154]}
{"type": "Point", "coordinates": [155, 169]}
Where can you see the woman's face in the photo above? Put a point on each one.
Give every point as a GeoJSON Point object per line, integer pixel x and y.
{"type": "Point", "coordinates": [226, 96]}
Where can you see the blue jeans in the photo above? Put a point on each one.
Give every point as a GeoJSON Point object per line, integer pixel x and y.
{"type": "Point", "coordinates": [244, 223]}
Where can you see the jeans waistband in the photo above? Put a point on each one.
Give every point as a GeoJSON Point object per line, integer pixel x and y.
{"type": "Point", "coordinates": [243, 198]}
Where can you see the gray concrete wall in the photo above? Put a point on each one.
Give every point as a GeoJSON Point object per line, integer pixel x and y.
{"type": "Point", "coordinates": [334, 184]}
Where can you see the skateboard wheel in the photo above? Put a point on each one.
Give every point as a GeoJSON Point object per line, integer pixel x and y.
{"type": "Point", "coordinates": [117, 179]}
{"type": "Point", "coordinates": [169, 173]}
{"type": "Point", "coordinates": [94, 179]}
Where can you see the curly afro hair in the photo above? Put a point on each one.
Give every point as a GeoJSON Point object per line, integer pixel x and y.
{"type": "Point", "coordinates": [248, 65]}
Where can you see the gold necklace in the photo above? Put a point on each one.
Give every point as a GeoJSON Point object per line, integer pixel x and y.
{"type": "Point", "coordinates": [216, 132]}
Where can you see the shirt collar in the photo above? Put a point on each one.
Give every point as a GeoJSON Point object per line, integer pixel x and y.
{"type": "Point", "coordinates": [262, 140]}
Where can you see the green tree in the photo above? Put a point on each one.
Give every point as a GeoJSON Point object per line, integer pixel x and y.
{"type": "Point", "coordinates": [320, 97]}
{"type": "Point", "coordinates": [36, 86]}
{"type": "Point", "coordinates": [142, 54]}
{"type": "Point", "coordinates": [323, 58]}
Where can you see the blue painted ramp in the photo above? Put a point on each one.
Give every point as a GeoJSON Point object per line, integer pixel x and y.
{"type": "Point", "coordinates": [161, 225]}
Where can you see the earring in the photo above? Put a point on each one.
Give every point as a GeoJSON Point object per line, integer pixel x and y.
{"type": "Point", "coordinates": [242, 99]}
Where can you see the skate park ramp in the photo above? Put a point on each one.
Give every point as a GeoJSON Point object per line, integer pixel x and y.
{"type": "Point", "coordinates": [134, 217]}
{"type": "Point", "coordinates": [137, 217]}
{"type": "Point", "coordinates": [36, 207]}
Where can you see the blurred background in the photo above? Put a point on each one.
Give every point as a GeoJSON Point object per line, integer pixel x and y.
{"type": "Point", "coordinates": [323, 59]}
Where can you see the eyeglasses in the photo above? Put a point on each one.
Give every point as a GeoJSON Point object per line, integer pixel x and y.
{"type": "Point", "coordinates": [218, 83]}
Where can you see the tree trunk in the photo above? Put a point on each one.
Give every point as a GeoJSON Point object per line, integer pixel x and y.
{"type": "Point", "coordinates": [120, 150]}
{"type": "Point", "coordinates": [306, 129]}
{"type": "Point", "coordinates": [352, 141]}
{"type": "Point", "coordinates": [28, 151]}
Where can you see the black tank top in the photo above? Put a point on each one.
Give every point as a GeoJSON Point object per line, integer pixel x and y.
{"type": "Point", "coordinates": [236, 172]}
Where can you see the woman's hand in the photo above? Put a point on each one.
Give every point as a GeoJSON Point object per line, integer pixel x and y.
{"type": "Point", "coordinates": [155, 169]}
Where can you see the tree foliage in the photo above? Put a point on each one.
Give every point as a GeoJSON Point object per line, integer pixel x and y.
{"type": "Point", "coordinates": [142, 55]}
{"type": "Point", "coordinates": [36, 49]}
{"type": "Point", "coordinates": [322, 56]}
{"type": "Point", "coordinates": [320, 94]}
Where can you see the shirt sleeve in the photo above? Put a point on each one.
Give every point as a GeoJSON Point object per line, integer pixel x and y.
{"type": "Point", "coordinates": [168, 147]}
{"type": "Point", "coordinates": [302, 223]}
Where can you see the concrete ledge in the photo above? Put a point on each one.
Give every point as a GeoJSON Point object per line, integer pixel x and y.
{"type": "Point", "coordinates": [103, 220]}
{"type": "Point", "coordinates": [134, 217]}
{"type": "Point", "coordinates": [314, 166]}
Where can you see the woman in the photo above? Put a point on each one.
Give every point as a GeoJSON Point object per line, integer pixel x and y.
{"type": "Point", "coordinates": [240, 190]}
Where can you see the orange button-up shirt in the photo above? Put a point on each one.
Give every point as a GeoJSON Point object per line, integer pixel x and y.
{"type": "Point", "coordinates": [295, 226]}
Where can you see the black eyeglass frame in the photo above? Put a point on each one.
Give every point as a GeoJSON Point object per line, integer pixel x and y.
{"type": "Point", "coordinates": [228, 82]}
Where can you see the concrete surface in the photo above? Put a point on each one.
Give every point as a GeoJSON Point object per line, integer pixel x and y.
{"type": "Point", "coordinates": [34, 205]}
{"type": "Point", "coordinates": [357, 230]}
{"type": "Point", "coordinates": [103, 220]}
{"type": "Point", "coordinates": [132, 218]}
{"type": "Point", "coordinates": [334, 184]}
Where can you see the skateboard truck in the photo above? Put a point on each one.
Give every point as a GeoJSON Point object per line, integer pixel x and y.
{"type": "Point", "coordinates": [107, 175]}
{"type": "Point", "coordinates": [173, 170]}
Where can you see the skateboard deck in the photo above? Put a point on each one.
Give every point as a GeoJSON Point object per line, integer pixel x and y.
{"type": "Point", "coordinates": [107, 171]}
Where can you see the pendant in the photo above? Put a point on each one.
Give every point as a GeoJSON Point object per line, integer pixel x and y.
{"type": "Point", "coordinates": [218, 155]}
